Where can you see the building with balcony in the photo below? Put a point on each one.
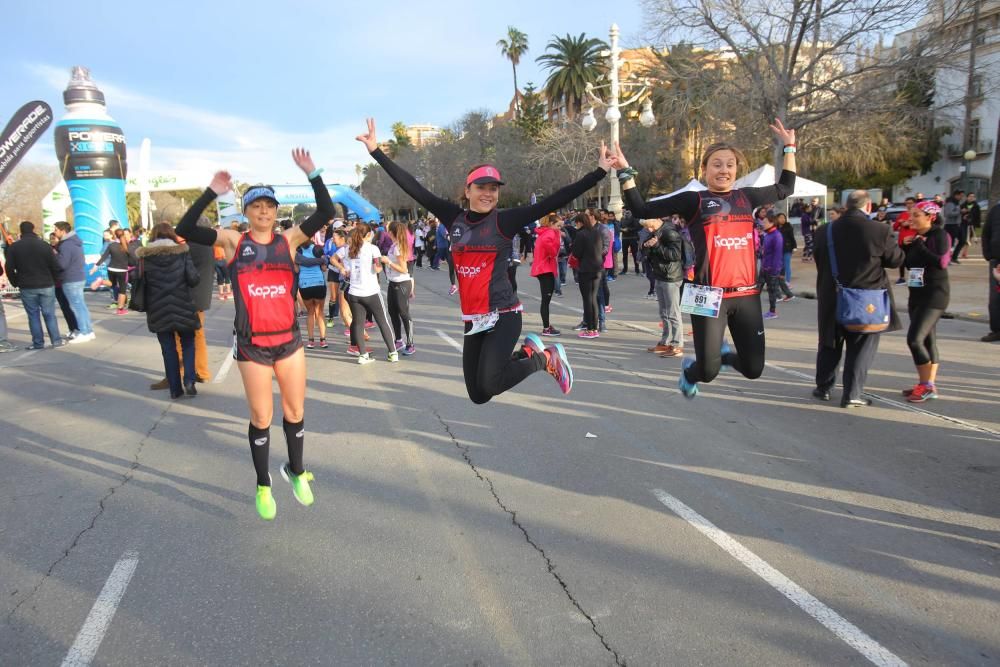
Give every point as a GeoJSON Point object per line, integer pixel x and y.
{"type": "Point", "coordinates": [951, 86]}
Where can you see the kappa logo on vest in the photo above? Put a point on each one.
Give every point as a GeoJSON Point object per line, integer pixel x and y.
{"type": "Point", "coordinates": [733, 242]}
{"type": "Point", "coordinates": [712, 204]}
{"type": "Point", "coordinates": [248, 251]}
{"type": "Point", "coordinates": [266, 291]}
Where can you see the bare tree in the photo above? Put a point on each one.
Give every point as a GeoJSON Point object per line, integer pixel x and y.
{"type": "Point", "coordinates": [805, 61]}
{"type": "Point", "coordinates": [22, 193]}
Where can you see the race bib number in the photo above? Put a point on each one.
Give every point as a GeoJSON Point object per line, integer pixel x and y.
{"type": "Point", "coordinates": [916, 278]}
{"type": "Point", "coordinates": [701, 300]}
{"type": "Point", "coordinates": [481, 323]}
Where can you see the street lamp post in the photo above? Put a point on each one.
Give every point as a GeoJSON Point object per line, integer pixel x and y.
{"type": "Point", "coordinates": [968, 156]}
{"type": "Point", "coordinates": [614, 114]}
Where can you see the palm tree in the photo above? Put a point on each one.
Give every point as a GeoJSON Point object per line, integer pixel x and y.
{"type": "Point", "coordinates": [573, 62]}
{"type": "Point", "coordinates": [512, 49]}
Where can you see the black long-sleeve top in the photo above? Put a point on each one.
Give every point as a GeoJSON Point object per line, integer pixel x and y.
{"type": "Point", "coordinates": [509, 220]}
{"type": "Point", "coordinates": [930, 252]}
{"type": "Point", "coordinates": [685, 204]}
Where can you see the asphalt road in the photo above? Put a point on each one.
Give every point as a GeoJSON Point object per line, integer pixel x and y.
{"type": "Point", "coordinates": [751, 526]}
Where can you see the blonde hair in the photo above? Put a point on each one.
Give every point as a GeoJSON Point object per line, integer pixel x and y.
{"type": "Point", "coordinates": [741, 159]}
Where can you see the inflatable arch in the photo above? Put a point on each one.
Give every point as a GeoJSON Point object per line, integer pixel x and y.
{"type": "Point", "coordinates": [341, 194]}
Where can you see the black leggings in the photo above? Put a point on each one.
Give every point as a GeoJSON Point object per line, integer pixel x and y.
{"type": "Point", "coordinates": [547, 283]}
{"type": "Point", "coordinates": [921, 337]}
{"type": "Point", "coordinates": [603, 286]}
{"type": "Point", "coordinates": [486, 359]}
{"type": "Point", "coordinates": [119, 282]}
{"type": "Point", "coordinates": [399, 310]}
{"type": "Point", "coordinates": [374, 306]}
{"type": "Point", "coordinates": [630, 246]}
{"type": "Point", "coordinates": [743, 316]}
{"type": "Point", "coordinates": [588, 290]}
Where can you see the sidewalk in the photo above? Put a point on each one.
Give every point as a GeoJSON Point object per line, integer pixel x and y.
{"type": "Point", "coordinates": [968, 286]}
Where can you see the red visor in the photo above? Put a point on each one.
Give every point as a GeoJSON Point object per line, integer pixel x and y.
{"type": "Point", "coordinates": [485, 174]}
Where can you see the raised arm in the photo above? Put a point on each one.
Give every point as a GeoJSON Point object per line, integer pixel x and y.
{"type": "Point", "coordinates": [684, 204]}
{"type": "Point", "coordinates": [324, 204]}
{"type": "Point", "coordinates": [443, 210]}
{"type": "Point", "coordinates": [188, 227]}
{"type": "Point", "coordinates": [786, 181]}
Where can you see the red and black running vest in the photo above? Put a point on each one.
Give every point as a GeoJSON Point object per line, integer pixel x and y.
{"type": "Point", "coordinates": [481, 254]}
{"type": "Point", "coordinates": [725, 243]}
{"type": "Point", "coordinates": [264, 283]}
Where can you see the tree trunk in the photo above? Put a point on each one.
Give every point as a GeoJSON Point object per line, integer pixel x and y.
{"type": "Point", "coordinates": [995, 176]}
{"type": "Point", "coordinates": [517, 103]}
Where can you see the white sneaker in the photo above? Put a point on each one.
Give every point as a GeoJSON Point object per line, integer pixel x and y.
{"type": "Point", "coordinates": [82, 338]}
{"type": "Point", "coordinates": [365, 358]}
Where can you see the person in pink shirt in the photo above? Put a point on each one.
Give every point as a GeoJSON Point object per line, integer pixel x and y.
{"type": "Point", "coordinates": [544, 267]}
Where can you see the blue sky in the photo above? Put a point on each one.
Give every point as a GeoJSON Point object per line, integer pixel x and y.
{"type": "Point", "coordinates": [236, 85]}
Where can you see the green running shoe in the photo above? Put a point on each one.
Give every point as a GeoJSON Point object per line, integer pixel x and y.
{"type": "Point", "coordinates": [266, 507]}
{"type": "Point", "coordinates": [300, 484]}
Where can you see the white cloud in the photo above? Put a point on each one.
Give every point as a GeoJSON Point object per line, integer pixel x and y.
{"type": "Point", "coordinates": [252, 150]}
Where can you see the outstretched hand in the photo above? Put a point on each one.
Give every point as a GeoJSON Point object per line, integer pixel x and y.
{"type": "Point", "coordinates": [368, 139]}
{"type": "Point", "coordinates": [304, 160]}
{"type": "Point", "coordinates": [222, 182]}
{"type": "Point", "coordinates": [781, 133]}
{"type": "Point", "coordinates": [620, 161]}
{"type": "Point", "coordinates": [607, 159]}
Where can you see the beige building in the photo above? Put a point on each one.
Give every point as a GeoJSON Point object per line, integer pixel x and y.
{"type": "Point", "coordinates": [421, 135]}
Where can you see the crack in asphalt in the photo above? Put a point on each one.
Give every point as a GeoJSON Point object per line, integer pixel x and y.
{"type": "Point", "coordinates": [126, 478]}
{"type": "Point", "coordinates": [464, 450]}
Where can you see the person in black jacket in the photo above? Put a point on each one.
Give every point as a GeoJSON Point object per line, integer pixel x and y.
{"type": "Point", "coordinates": [170, 310]}
{"type": "Point", "coordinates": [991, 251]}
{"type": "Point", "coordinates": [588, 249]}
{"type": "Point", "coordinates": [665, 253]}
{"type": "Point", "coordinates": [789, 242]}
{"type": "Point", "coordinates": [864, 250]}
{"type": "Point", "coordinates": [32, 267]}
{"type": "Point", "coordinates": [927, 254]}
{"type": "Point", "coordinates": [630, 241]}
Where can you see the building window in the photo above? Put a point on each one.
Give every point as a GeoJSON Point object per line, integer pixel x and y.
{"type": "Point", "coordinates": [973, 134]}
{"type": "Point", "coordinates": [977, 86]}
{"type": "Point", "coordinates": [981, 36]}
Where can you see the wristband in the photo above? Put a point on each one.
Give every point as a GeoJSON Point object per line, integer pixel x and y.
{"type": "Point", "coordinates": [790, 149]}
{"type": "Point", "coordinates": [315, 172]}
{"type": "Point", "coordinates": [627, 173]}
{"type": "Point", "coordinates": [792, 145]}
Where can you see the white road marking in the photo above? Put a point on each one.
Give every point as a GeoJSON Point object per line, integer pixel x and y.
{"type": "Point", "coordinates": [448, 339]}
{"type": "Point", "coordinates": [92, 633]}
{"type": "Point", "coordinates": [227, 363]}
{"type": "Point", "coordinates": [828, 618]}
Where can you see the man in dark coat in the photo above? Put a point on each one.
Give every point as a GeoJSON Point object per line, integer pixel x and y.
{"type": "Point", "coordinates": [32, 267]}
{"type": "Point", "coordinates": [864, 250]}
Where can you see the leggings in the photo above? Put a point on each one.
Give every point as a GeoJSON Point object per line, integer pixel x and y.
{"type": "Point", "coordinates": [922, 334]}
{"type": "Point", "coordinates": [361, 307]}
{"type": "Point", "coordinates": [486, 359]}
{"type": "Point", "coordinates": [774, 282]}
{"type": "Point", "coordinates": [605, 290]}
{"type": "Point", "coordinates": [119, 282]}
{"type": "Point", "coordinates": [743, 316]}
{"type": "Point", "coordinates": [399, 310]}
{"type": "Point", "coordinates": [588, 291]}
{"type": "Point", "coordinates": [547, 283]}
{"type": "Point", "coordinates": [630, 246]}
{"type": "Point", "coordinates": [221, 272]}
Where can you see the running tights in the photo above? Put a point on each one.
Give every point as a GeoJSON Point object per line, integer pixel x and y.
{"type": "Point", "coordinates": [260, 447]}
{"type": "Point", "coordinates": [486, 359]}
{"type": "Point", "coordinates": [589, 284]}
{"type": "Point", "coordinates": [921, 337]}
{"type": "Point", "coordinates": [745, 321]}
{"type": "Point", "coordinates": [547, 283]}
{"type": "Point", "coordinates": [399, 310]}
{"type": "Point", "coordinates": [374, 306]}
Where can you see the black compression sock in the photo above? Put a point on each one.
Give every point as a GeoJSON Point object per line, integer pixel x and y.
{"type": "Point", "coordinates": [260, 447]}
{"type": "Point", "coordinates": [295, 437]}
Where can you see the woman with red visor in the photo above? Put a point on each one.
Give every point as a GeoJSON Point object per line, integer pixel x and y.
{"type": "Point", "coordinates": [481, 244]}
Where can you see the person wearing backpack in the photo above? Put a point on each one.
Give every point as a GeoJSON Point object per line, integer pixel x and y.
{"type": "Point", "coordinates": [864, 250]}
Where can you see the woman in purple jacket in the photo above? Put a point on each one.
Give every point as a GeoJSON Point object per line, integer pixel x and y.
{"type": "Point", "coordinates": [771, 265]}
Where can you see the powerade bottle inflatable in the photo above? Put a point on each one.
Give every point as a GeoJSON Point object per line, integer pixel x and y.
{"type": "Point", "coordinates": [91, 151]}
